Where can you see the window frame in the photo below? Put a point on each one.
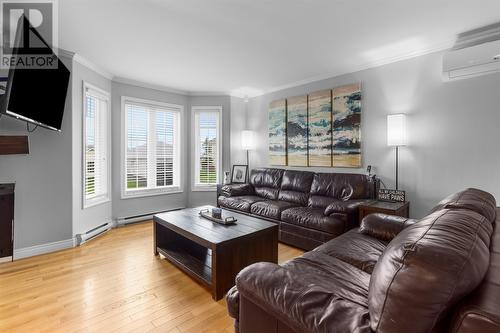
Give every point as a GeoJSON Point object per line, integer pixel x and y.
{"type": "Point", "coordinates": [171, 189]}
{"type": "Point", "coordinates": [195, 187]}
{"type": "Point", "coordinates": [104, 198]}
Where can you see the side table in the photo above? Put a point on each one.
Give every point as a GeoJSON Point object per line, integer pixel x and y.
{"type": "Point", "coordinates": [390, 208]}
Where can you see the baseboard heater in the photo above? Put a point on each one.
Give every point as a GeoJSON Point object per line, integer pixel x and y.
{"type": "Point", "coordinates": [121, 221]}
{"type": "Point", "coordinates": [93, 233]}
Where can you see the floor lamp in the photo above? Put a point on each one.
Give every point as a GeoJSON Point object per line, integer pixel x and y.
{"type": "Point", "coordinates": [396, 136]}
{"type": "Point", "coordinates": [247, 142]}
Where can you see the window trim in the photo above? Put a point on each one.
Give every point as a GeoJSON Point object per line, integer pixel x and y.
{"type": "Point", "coordinates": [179, 109]}
{"type": "Point", "coordinates": [101, 199]}
{"type": "Point", "coordinates": [201, 187]}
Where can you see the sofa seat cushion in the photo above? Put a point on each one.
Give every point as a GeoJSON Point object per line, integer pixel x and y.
{"type": "Point", "coordinates": [312, 293]}
{"type": "Point", "coordinates": [270, 208]}
{"type": "Point", "coordinates": [314, 218]}
{"type": "Point", "coordinates": [355, 248]}
{"type": "Point", "coordinates": [242, 203]}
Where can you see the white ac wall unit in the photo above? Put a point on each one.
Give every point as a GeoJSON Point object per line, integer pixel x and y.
{"type": "Point", "coordinates": [472, 61]}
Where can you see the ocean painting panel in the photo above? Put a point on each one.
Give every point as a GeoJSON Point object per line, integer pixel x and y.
{"type": "Point", "coordinates": [297, 131]}
{"type": "Point", "coordinates": [347, 126]}
{"type": "Point", "coordinates": [320, 128]}
{"type": "Point", "coordinates": [277, 133]}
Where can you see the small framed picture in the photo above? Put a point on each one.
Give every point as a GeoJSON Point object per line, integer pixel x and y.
{"type": "Point", "coordinates": [240, 173]}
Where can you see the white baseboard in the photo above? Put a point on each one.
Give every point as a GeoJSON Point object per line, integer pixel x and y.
{"type": "Point", "coordinates": [43, 248]}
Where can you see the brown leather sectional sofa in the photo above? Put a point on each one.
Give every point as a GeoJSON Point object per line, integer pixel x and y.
{"type": "Point", "coordinates": [311, 208]}
{"type": "Point", "coordinates": [392, 275]}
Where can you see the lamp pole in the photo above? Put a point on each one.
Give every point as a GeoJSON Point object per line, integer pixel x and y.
{"type": "Point", "coordinates": [397, 166]}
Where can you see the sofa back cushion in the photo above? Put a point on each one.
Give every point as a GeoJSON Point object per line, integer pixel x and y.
{"type": "Point", "coordinates": [266, 182]}
{"type": "Point", "coordinates": [340, 186]}
{"type": "Point", "coordinates": [295, 186]}
{"type": "Point", "coordinates": [427, 269]}
{"type": "Point", "coordinates": [473, 199]}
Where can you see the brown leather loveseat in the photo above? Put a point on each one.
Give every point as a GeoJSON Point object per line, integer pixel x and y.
{"type": "Point", "coordinates": [311, 208]}
{"type": "Point", "coordinates": [392, 275]}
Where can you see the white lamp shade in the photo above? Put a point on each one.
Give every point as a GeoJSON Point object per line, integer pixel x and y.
{"type": "Point", "coordinates": [247, 140]}
{"type": "Point", "coordinates": [396, 130]}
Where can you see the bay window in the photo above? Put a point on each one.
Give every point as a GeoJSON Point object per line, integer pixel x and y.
{"type": "Point", "coordinates": [151, 163]}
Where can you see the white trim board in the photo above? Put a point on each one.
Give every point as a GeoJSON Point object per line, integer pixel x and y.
{"type": "Point", "coordinates": [36, 250]}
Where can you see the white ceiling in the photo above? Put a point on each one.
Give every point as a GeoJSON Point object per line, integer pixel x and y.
{"type": "Point", "coordinates": [222, 45]}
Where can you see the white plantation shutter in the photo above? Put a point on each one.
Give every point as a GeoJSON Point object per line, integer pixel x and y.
{"type": "Point", "coordinates": [96, 146]}
{"type": "Point", "coordinates": [207, 149]}
{"type": "Point", "coordinates": [137, 147]}
{"type": "Point", "coordinates": [165, 142]}
{"type": "Point", "coordinates": [152, 147]}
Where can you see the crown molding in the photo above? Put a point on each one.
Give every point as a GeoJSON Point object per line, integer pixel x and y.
{"type": "Point", "coordinates": [478, 36]}
{"type": "Point", "coordinates": [445, 45]}
{"type": "Point", "coordinates": [93, 66]}
{"type": "Point", "coordinates": [124, 80]}
{"type": "Point", "coordinates": [65, 53]}
{"type": "Point", "coordinates": [209, 93]}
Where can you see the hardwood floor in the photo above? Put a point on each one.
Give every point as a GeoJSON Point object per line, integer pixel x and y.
{"type": "Point", "coordinates": [111, 284]}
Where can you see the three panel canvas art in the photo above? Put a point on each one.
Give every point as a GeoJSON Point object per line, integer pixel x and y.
{"type": "Point", "coordinates": [322, 129]}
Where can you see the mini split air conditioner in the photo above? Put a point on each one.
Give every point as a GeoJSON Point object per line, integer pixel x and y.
{"type": "Point", "coordinates": [472, 61]}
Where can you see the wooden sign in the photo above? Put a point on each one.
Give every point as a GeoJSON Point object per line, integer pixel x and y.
{"type": "Point", "coordinates": [10, 145]}
{"type": "Point", "coordinates": [391, 195]}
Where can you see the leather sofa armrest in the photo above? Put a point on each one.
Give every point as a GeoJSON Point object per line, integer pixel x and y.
{"type": "Point", "coordinates": [292, 301]}
{"type": "Point", "coordinates": [345, 207]}
{"type": "Point", "coordinates": [270, 287]}
{"type": "Point", "coordinates": [233, 190]}
{"type": "Point", "coordinates": [233, 302]}
{"type": "Point", "coordinates": [384, 227]}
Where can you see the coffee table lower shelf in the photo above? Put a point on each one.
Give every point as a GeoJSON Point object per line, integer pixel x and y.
{"type": "Point", "coordinates": [196, 268]}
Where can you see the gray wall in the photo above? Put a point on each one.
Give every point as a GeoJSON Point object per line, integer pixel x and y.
{"type": "Point", "coordinates": [238, 123]}
{"type": "Point", "coordinates": [89, 218]}
{"type": "Point", "coordinates": [138, 206]}
{"type": "Point", "coordinates": [453, 128]}
{"type": "Point", "coordinates": [43, 180]}
{"type": "Point", "coordinates": [198, 198]}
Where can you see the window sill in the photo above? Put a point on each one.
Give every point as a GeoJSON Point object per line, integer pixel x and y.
{"type": "Point", "coordinates": [204, 188]}
{"type": "Point", "coordinates": [150, 193]}
{"type": "Point", "coordinates": [89, 203]}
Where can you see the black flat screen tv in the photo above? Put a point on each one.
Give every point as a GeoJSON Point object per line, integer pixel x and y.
{"type": "Point", "coordinates": [36, 95]}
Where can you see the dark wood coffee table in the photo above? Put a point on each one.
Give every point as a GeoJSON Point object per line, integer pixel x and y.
{"type": "Point", "coordinates": [212, 253]}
